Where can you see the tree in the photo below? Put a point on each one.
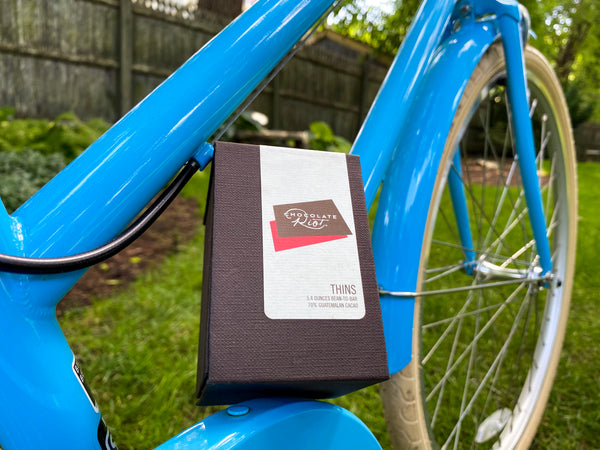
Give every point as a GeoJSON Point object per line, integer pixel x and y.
{"type": "Point", "coordinates": [564, 34]}
{"type": "Point", "coordinates": [382, 28]}
{"type": "Point", "coordinates": [573, 45]}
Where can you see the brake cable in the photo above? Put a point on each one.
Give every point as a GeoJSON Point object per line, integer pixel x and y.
{"type": "Point", "coordinates": [20, 264]}
{"type": "Point", "coordinates": [79, 261]}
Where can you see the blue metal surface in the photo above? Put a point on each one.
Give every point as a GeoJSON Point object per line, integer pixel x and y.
{"type": "Point", "coordinates": [278, 424]}
{"type": "Point", "coordinates": [204, 154]}
{"type": "Point", "coordinates": [461, 214]}
{"type": "Point", "coordinates": [499, 8]}
{"type": "Point", "coordinates": [381, 133]}
{"type": "Point", "coordinates": [523, 135]}
{"type": "Point", "coordinates": [84, 205]}
{"type": "Point", "coordinates": [6, 229]}
{"type": "Point", "coordinates": [43, 403]}
{"type": "Point", "coordinates": [99, 193]}
{"type": "Point", "coordinates": [408, 184]}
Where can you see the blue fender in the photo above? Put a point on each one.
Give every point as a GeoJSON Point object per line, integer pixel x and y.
{"type": "Point", "coordinates": [276, 423]}
{"type": "Point", "coordinates": [407, 187]}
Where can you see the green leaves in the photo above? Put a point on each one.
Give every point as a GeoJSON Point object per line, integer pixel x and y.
{"type": "Point", "coordinates": [322, 138]}
{"type": "Point", "coordinates": [32, 151]}
{"type": "Point", "coordinates": [564, 29]}
{"type": "Point", "coordinates": [382, 27]}
{"type": "Point", "coordinates": [572, 44]}
{"type": "Point", "coordinates": [66, 134]}
{"type": "Point", "coordinates": [23, 173]}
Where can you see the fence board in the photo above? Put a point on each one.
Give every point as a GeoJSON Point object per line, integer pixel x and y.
{"type": "Point", "coordinates": [72, 55]}
{"type": "Point", "coordinates": [587, 141]}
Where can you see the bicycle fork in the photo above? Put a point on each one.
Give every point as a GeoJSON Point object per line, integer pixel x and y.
{"type": "Point", "coordinates": [401, 219]}
{"type": "Point", "coordinates": [511, 30]}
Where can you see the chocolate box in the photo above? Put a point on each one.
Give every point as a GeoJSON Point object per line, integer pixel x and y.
{"type": "Point", "coordinates": [290, 303]}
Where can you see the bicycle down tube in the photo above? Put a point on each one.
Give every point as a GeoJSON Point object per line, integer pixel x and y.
{"type": "Point", "coordinates": [98, 194]}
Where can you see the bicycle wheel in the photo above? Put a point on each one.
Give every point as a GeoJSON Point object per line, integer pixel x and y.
{"type": "Point", "coordinates": [485, 358]}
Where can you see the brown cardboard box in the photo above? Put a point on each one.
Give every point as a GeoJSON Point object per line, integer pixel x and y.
{"type": "Point", "coordinates": [290, 303]}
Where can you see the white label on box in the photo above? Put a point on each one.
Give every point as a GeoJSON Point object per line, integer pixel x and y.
{"type": "Point", "coordinates": [310, 256]}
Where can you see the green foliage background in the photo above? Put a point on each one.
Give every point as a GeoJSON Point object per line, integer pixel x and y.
{"type": "Point", "coordinates": [563, 29]}
{"type": "Point", "coordinates": [32, 151]}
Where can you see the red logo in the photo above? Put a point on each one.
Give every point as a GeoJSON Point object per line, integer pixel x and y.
{"type": "Point", "coordinates": [308, 223]}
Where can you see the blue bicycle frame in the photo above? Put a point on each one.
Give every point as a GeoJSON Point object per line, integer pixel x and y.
{"type": "Point", "coordinates": [44, 400]}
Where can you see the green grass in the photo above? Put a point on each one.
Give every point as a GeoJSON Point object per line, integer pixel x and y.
{"type": "Point", "coordinates": [449, 342]}
{"type": "Point", "coordinates": [139, 348]}
{"type": "Point", "coordinates": [572, 417]}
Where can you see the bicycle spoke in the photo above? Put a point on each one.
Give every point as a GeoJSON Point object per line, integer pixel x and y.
{"type": "Point", "coordinates": [516, 221]}
{"type": "Point", "coordinates": [443, 268]}
{"type": "Point", "coordinates": [543, 142]}
{"type": "Point", "coordinates": [472, 359]}
{"type": "Point", "coordinates": [449, 227]}
{"type": "Point", "coordinates": [521, 352]}
{"type": "Point", "coordinates": [516, 218]}
{"type": "Point", "coordinates": [478, 336]}
{"type": "Point", "coordinates": [518, 253]}
{"type": "Point", "coordinates": [471, 313]}
{"type": "Point", "coordinates": [549, 191]}
{"type": "Point", "coordinates": [500, 203]}
{"type": "Point", "coordinates": [486, 146]}
{"type": "Point", "coordinates": [497, 362]}
{"type": "Point", "coordinates": [496, 256]}
{"type": "Point", "coordinates": [448, 364]}
{"type": "Point", "coordinates": [449, 271]}
{"type": "Point", "coordinates": [481, 211]}
{"type": "Point", "coordinates": [446, 332]}
{"type": "Point", "coordinates": [553, 221]}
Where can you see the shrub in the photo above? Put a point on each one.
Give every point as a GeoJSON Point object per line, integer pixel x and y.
{"type": "Point", "coordinates": [66, 134]}
{"type": "Point", "coordinates": [32, 151]}
{"type": "Point", "coordinates": [23, 173]}
{"type": "Point", "coordinates": [322, 138]}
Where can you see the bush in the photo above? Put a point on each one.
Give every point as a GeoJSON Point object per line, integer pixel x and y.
{"type": "Point", "coordinates": [32, 151]}
{"type": "Point", "coordinates": [322, 138]}
{"type": "Point", "coordinates": [66, 134]}
{"type": "Point", "coordinates": [23, 173]}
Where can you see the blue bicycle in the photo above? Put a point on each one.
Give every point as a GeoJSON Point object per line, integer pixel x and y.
{"type": "Point", "coordinates": [468, 150]}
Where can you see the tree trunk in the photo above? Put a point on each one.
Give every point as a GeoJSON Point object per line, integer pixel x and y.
{"type": "Point", "coordinates": [567, 54]}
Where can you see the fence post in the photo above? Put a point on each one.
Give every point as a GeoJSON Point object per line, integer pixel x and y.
{"type": "Point", "coordinates": [363, 101]}
{"type": "Point", "coordinates": [276, 106]}
{"type": "Point", "coordinates": [126, 57]}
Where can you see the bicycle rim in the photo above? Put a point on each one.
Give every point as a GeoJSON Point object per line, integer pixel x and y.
{"type": "Point", "coordinates": [488, 355]}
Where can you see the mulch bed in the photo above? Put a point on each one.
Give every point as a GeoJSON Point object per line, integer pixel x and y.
{"type": "Point", "coordinates": [495, 175]}
{"type": "Point", "coordinates": [177, 226]}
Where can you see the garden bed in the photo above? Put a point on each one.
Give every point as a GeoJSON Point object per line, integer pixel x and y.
{"type": "Point", "coordinates": [176, 227]}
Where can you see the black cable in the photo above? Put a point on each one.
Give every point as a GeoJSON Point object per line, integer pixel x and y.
{"type": "Point", "coordinates": [257, 91]}
{"type": "Point", "coordinates": [19, 264]}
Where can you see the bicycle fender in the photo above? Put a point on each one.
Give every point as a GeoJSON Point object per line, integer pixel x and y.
{"type": "Point", "coordinates": [276, 423]}
{"type": "Point", "coordinates": [408, 185]}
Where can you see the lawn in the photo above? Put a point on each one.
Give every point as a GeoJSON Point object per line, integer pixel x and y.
{"type": "Point", "coordinates": [139, 347]}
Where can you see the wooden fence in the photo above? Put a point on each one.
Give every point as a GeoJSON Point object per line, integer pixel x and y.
{"type": "Point", "coordinates": [98, 58]}
{"type": "Point", "coordinates": [587, 141]}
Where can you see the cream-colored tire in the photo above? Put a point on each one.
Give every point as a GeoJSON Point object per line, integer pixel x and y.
{"type": "Point", "coordinates": [489, 353]}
